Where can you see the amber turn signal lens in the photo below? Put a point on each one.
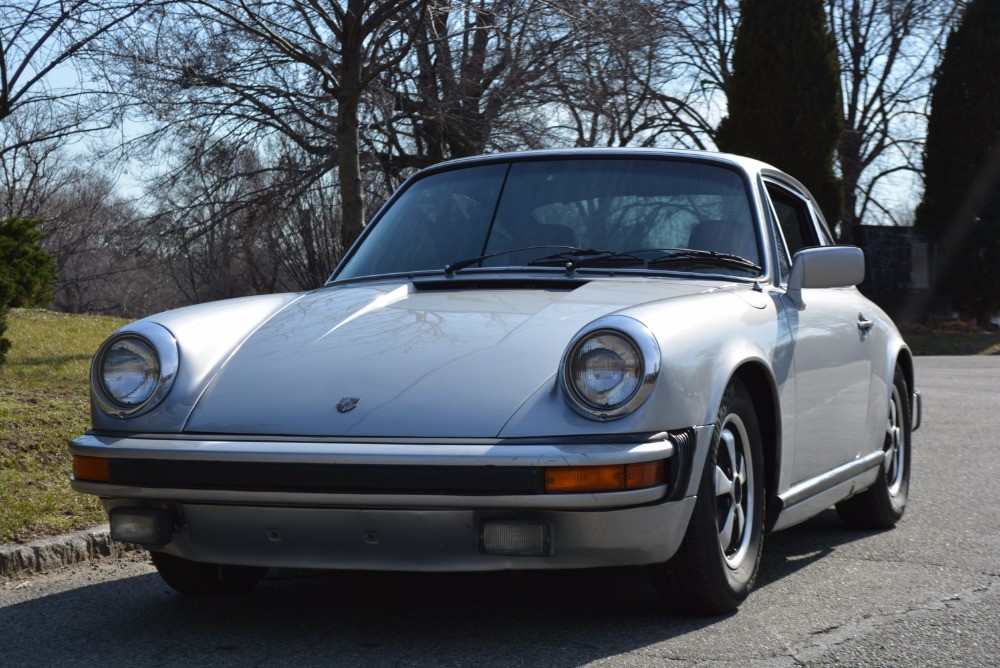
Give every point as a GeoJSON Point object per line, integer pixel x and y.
{"type": "Point", "coordinates": [586, 479]}
{"type": "Point", "coordinates": [92, 469]}
{"type": "Point", "coordinates": [566, 479]}
{"type": "Point", "coordinates": [646, 474]}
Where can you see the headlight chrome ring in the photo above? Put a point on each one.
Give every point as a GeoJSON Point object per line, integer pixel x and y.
{"type": "Point", "coordinates": [610, 367]}
{"type": "Point", "coordinates": [134, 369]}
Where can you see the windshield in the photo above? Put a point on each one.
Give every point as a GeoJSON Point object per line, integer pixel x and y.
{"type": "Point", "coordinates": [625, 210]}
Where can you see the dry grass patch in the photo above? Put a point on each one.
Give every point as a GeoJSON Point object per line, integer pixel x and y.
{"type": "Point", "coordinates": [952, 341]}
{"type": "Point", "coordinates": [43, 403]}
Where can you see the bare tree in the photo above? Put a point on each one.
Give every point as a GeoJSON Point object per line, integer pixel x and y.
{"type": "Point", "coordinates": [700, 52]}
{"type": "Point", "coordinates": [472, 69]}
{"type": "Point", "coordinates": [644, 72]}
{"type": "Point", "coordinates": [505, 74]}
{"type": "Point", "coordinates": [256, 71]}
{"type": "Point", "coordinates": [305, 113]}
{"type": "Point", "coordinates": [216, 251]}
{"type": "Point", "coordinates": [305, 237]}
{"type": "Point", "coordinates": [888, 51]}
{"type": "Point", "coordinates": [612, 84]}
{"type": "Point", "coordinates": [92, 230]}
{"type": "Point", "coordinates": [39, 41]}
{"type": "Point", "coordinates": [100, 245]}
{"type": "Point", "coordinates": [33, 165]}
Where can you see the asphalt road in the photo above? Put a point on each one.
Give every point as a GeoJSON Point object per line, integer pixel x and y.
{"type": "Point", "coordinates": [923, 594]}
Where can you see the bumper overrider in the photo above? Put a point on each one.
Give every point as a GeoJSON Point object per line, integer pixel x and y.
{"type": "Point", "coordinates": [413, 504]}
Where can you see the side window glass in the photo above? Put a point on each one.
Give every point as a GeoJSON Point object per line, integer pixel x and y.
{"type": "Point", "coordinates": [795, 223]}
{"type": "Point", "coordinates": [784, 264]}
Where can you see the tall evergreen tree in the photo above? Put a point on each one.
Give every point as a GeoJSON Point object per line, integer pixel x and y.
{"type": "Point", "coordinates": [784, 96]}
{"type": "Point", "coordinates": [961, 205]}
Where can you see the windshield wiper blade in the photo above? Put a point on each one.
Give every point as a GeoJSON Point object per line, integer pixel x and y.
{"type": "Point", "coordinates": [578, 257]}
{"type": "Point", "coordinates": [706, 256]}
{"type": "Point", "coordinates": [459, 265]}
{"type": "Point", "coordinates": [583, 256]}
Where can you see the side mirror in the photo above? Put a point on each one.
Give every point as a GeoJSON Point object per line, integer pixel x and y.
{"type": "Point", "coordinates": [825, 267]}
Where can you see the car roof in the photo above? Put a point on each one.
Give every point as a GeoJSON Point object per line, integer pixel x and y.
{"type": "Point", "coordinates": [749, 164]}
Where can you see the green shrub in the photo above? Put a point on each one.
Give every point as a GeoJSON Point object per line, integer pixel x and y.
{"type": "Point", "coordinates": [27, 270]}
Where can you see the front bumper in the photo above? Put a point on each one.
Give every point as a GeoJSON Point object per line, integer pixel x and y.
{"type": "Point", "coordinates": [392, 506]}
{"type": "Point", "coordinates": [417, 540]}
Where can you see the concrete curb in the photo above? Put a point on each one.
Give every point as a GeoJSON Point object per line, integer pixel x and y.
{"type": "Point", "coordinates": [50, 553]}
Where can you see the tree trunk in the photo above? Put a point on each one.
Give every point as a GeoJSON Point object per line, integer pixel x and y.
{"type": "Point", "coordinates": [348, 141]}
{"type": "Point", "coordinates": [349, 174]}
{"type": "Point", "coordinates": [849, 154]}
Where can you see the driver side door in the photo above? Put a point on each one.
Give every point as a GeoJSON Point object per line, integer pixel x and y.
{"type": "Point", "coordinates": [832, 350]}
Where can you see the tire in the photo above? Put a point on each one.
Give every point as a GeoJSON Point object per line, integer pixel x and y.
{"type": "Point", "coordinates": [716, 565]}
{"type": "Point", "coordinates": [194, 578]}
{"type": "Point", "coordinates": [882, 505]}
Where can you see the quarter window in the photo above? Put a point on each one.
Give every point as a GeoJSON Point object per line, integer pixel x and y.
{"type": "Point", "coordinates": [795, 223]}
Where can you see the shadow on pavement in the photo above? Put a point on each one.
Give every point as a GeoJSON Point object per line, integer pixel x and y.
{"type": "Point", "coordinates": [562, 618]}
{"type": "Point", "coordinates": [793, 549]}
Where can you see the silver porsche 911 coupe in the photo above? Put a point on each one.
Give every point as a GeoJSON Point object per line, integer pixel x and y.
{"type": "Point", "coordinates": [552, 359]}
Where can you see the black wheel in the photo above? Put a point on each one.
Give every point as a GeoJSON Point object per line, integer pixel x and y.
{"type": "Point", "coordinates": [882, 504]}
{"type": "Point", "coordinates": [194, 578]}
{"type": "Point", "coordinates": [716, 565]}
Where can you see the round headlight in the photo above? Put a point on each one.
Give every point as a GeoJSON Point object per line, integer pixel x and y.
{"type": "Point", "coordinates": [130, 371]}
{"type": "Point", "coordinates": [134, 369]}
{"type": "Point", "coordinates": [606, 369]}
{"type": "Point", "coordinates": [610, 366]}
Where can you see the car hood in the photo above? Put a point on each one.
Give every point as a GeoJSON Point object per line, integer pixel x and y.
{"type": "Point", "coordinates": [401, 359]}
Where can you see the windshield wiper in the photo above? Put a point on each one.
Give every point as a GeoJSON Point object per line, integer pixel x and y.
{"type": "Point", "coordinates": [583, 257]}
{"type": "Point", "coordinates": [459, 265]}
{"type": "Point", "coordinates": [705, 257]}
{"type": "Point", "coordinates": [580, 257]}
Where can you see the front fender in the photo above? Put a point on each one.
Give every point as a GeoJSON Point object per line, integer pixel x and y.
{"type": "Point", "coordinates": [207, 334]}
{"type": "Point", "coordinates": [703, 340]}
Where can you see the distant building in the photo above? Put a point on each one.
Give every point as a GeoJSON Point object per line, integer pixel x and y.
{"type": "Point", "coordinates": [898, 265]}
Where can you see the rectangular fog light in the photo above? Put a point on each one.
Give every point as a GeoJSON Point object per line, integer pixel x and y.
{"type": "Point", "coordinates": [146, 526]}
{"type": "Point", "coordinates": [516, 539]}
